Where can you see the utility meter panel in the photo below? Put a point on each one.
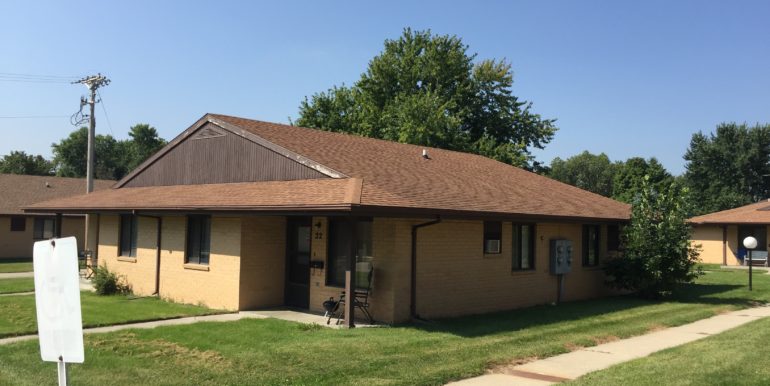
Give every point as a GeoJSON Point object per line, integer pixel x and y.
{"type": "Point", "coordinates": [561, 256]}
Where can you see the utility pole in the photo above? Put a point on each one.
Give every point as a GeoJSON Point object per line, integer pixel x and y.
{"type": "Point", "coordinates": [93, 82]}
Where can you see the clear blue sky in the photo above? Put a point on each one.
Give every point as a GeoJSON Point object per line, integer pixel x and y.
{"type": "Point", "coordinates": [625, 78]}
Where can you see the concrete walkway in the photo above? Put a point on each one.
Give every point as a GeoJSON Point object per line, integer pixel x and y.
{"type": "Point", "coordinates": [289, 315]}
{"type": "Point", "coordinates": [14, 275]}
{"type": "Point", "coordinates": [575, 364]}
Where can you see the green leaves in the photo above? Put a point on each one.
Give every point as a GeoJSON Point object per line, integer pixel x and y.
{"type": "Point", "coordinates": [113, 158]}
{"type": "Point", "coordinates": [658, 254]}
{"type": "Point", "coordinates": [19, 162]}
{"type": "Point", "coordinates": [425, 89]}
{"type": "Point", "coordinates": [729, 168]}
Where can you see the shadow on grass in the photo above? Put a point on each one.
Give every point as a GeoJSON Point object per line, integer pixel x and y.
{"type": "Point", "coordinates": [519, 319]}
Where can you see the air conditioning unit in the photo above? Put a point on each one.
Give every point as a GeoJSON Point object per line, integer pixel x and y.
{"type": "Point", "coordinates": [493, 246]}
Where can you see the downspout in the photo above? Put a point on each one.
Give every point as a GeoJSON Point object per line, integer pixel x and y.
{"type": "Point", "coordinates": [157, 251]}
{"type": "Point", "coordinates": [413, 295]}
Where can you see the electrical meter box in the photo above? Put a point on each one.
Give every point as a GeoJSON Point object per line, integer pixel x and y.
{"type": "Point", "coordinates": [561, 256]}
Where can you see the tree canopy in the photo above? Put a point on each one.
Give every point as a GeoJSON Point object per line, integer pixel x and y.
{"type": "Point", "coordinates": [19, 162]}
{"type": "Point", "coordinates": [729, 168]}
{"type": "Point", "coordinates": [113, 158]}
{"type": "Point", "coordinates": [591, 172]}
{"type": "Point", "coordinates": [627, 182]}
{"type": "Point", "coordinates": [428, 90]}
{"type": "Point", "coordinates": [620, 180]}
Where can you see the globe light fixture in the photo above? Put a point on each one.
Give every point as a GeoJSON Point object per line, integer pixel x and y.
{"type": "Point", "coordinates": [750, 243]}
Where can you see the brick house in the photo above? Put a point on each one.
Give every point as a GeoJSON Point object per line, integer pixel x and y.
{"type": "Point", "coordinates": [242, 214]}
{"type": "Point", "coordinates": [19, 230]}
{"type": "Point", "coordinates": [720, 234]}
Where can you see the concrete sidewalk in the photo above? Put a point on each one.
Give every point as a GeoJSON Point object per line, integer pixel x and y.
{"type": "Point", "coordinates": [283, 314]}
{"type": "Point", "coordinates": [14, 275]}
{"type": "Point", "coordinates": [575, 364]}
{"type": "Point", "coordinates": [145, 325]}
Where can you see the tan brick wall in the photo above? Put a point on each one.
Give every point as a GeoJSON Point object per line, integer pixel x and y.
{"type": "Point", "coordinates": [219, 286]}
{"type": "Point", "coordinates": [216, 287]}
{"type": "Point", "coordinates": [709, 237]}
{"type": "Point", "coordinates": [263, 262]}
{"type": "Point", "coordinates": [391, 254]}
{"type": "Point", "coordinates": [19, 244]}
{"type": "Point", "coordinates": [456, 278]}
{"type": "Point", "coordinates": [138, 272]}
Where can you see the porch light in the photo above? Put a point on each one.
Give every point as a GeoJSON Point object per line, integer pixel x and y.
{"type": "Point", "coordinates": [750, 243]}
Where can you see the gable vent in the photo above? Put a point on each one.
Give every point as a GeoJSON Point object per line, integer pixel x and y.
{"type": "Point", "coordinates": [209, 132]}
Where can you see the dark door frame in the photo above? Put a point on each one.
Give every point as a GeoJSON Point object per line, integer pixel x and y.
{"type": "Point", "coordinates": [290, 287]}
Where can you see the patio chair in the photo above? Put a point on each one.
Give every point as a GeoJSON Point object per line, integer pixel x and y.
{"type": "Point", "coordinates": [364, 274]}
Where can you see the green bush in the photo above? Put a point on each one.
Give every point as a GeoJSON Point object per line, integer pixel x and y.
{"type": "Point", "coordinates": [658, 254]}
{"type": "Point", "coordinates": [108, 283]}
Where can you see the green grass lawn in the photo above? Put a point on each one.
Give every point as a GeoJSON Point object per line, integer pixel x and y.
{"type": "Point", "coordinates": [17, 313]}
{"type": "Point", "coordinates": [736, 357]}
{"type": "Point", "coordinates": [15, 265]}
{"type": "Point", "coordinates": [278, 352]}
{"type": "Point", "coordinates": [22, 284]}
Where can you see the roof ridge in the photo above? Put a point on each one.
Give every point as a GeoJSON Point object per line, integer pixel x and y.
{"type": "Point", "coordinates": [353, 135]}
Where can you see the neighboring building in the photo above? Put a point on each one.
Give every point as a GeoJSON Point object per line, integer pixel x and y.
{"type": "Point", "coordinates": [721, 234]}
{"type": "Point", "coordinates": [242, 214]}
{"type": "Point", "coordinates": [19, 230]}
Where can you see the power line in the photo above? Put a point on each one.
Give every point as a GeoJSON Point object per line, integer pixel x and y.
{"type": "Point", "coordinates": [15, 74]}
{"type": "Point", "coordinates": [34, 78]}
{"type": "Point", "coordinates": [32, 116]}
{"type": "Point", "coordinates": [104, 109]}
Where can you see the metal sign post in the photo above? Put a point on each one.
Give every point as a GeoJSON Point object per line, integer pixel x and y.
{"type": "Point", "coordinates": [57, 302]}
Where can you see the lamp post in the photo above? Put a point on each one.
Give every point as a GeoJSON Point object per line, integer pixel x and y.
{"type": "Point", "coordinates": [750, 243]}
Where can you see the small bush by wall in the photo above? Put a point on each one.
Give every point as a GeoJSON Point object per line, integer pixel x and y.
{"type": "Point", "coordinates": [109, 283]}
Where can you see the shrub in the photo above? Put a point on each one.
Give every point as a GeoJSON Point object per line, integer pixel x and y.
{"type": "Point", "coordinates": [108, 283]}
{"type": "Point", "coordinates": [658, 254]}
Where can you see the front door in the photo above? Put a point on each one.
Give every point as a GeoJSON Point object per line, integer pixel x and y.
{"type": "Point", "coordinates": [298, 262]}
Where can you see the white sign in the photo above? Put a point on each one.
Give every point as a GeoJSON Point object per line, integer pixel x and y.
{"type": "Point", "coordinates": [57, 299]}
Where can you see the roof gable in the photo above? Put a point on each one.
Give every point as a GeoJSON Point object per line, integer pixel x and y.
{"type": "Point", "coordinates": [212, 152]}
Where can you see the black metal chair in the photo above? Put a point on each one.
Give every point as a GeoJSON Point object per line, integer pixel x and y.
{"type": "Point", "coordinates": [361, 298]}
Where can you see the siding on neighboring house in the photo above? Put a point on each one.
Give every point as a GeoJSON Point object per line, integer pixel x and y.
{"type": "Point", "coordinates": [19, 244]}
{"type": "Point", "coordinates": [709, 237]}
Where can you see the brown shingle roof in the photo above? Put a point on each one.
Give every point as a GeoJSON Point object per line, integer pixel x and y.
{"type": "Point", "coordinates": [394, 177]}
{"type": "Point", "coordinates": [19, 191]}
{"type": "Point", "coordinates": [757, 213]}
{"type": "Point", "coordinates": [271, 195]}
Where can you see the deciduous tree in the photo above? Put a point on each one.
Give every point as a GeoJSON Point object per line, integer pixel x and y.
{"type": "Point", "coordinates": [19, 162]}
{"type": "Point", "coordinates": [730, 167]}
{"type": "Point", "coordinates": [658, 254]}
{"type": "Point", "coordinates": [428, 90]}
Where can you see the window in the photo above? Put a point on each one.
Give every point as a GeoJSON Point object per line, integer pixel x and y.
{"type": "Point", "coordinates": [590, 245]}
{"type": "Point", "coordinates": [198, 239]}
{"type": "Point", "coordinates": [523, 247]}
{"type": "Point", "coordinates": [18, 224]}
{"type": "Point", "coordinates": [493, 232]}
{"type": "Point", "coordinates": [43, 228]}
{"type": "Point", "coordinates": [128, 225]}
{"type": "Point", "coordinates": [339, 248]}
{"type": "Point", "coordinates": [613, 237]}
